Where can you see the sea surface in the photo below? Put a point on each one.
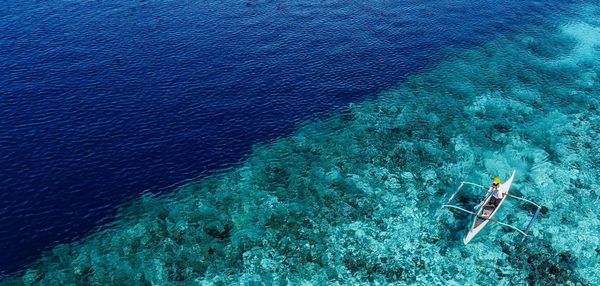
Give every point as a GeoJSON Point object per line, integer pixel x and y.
{"type": "Point", "coordinates": [240, 142]}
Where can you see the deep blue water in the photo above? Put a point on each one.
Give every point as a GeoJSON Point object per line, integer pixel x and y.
{"type": "Point", "coordinates": [103, 101]}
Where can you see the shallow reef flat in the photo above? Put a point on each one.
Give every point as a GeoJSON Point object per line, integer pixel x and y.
{"type": "Point", "coordinates": [355, 198]}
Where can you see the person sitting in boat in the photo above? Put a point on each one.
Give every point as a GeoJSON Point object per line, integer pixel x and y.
{"type": "Point", "coordinates": [497, 194]}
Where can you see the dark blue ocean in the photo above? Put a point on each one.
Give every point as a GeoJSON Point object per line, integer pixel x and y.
{"type": "Point", "coordinates": [103, 101]}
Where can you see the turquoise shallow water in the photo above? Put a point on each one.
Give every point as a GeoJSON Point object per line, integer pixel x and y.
{"type": "Point", "coordinates": [355, 198]}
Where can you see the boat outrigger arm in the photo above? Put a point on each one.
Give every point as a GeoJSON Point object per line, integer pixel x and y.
{"type": "Point", "coordinates": [524, 232]}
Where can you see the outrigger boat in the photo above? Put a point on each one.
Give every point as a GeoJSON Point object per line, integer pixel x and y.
{"type": "Point", "coordinates": [486, 211]}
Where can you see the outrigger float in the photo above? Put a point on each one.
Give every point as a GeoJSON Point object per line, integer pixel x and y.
{"type": "Point", "coordinates": [486, 211]}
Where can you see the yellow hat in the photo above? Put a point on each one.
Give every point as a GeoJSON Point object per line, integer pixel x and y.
{"type": "Point", "coordinates": [497, 180]}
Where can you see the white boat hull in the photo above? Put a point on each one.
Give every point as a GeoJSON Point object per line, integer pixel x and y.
{"type": "Point", "coordinates": [482, 218]}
